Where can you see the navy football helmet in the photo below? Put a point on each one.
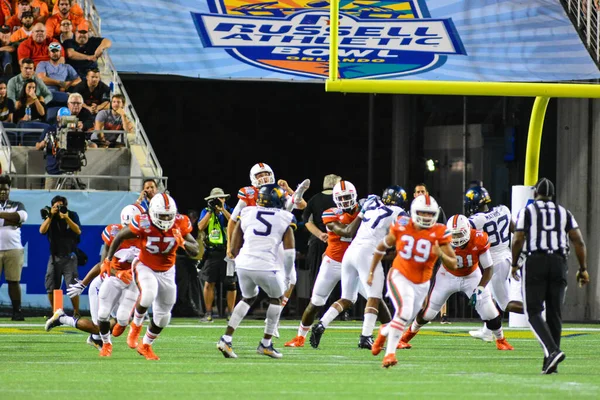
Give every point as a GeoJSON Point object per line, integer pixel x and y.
{"type": "Point", "coordinates": [394, 196]}
{"type": "Point", "coordinates": [475, 198]}
{"type": "Point", "coordinates": [271, 195]}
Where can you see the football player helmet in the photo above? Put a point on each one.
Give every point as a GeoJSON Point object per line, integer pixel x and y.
{"type": "Point", "coordinates": [394, 196]}
{"type": "Point", "coordinates": [263, 180]}
{"type": "Point", "coordinates": [162, 211]}
{"type": "Point", "coordinates": [128, 212]}
{"type": "Point", "coordinates": [424, 204]}
{"type": "Point", "coordinates": [344, 195]}
{"type": "Point", "coordinates": [475, 198]}
{"type": "Point", "coordinates": [271, 195]}
{"type": "Point", "coordinates": [460, 229]}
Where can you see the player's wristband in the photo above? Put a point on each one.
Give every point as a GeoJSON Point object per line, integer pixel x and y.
{"type": "Point", "coordinates": [378, 252]}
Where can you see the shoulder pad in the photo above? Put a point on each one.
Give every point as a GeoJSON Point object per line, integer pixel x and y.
{"type": "Point", "coordinates": [403, 220]}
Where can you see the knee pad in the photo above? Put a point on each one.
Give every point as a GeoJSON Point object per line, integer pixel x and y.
{"type": "Point", "coordinates": [147, 297]}
{"type": "Point", "coordinates": [103, 313]}
{"type": "Point", "coordinates": [161, 320]}
{"type": "Point", "coordinates": [317, 300]}
{"type": "Point", "coordinates": [123, 316]}
{"type": "Point", "coordinates": [486, 309]}
{"type": "Point", "coordinates": [494, 323]}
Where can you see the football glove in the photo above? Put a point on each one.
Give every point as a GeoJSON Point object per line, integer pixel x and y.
{"type": "Point", "coordinates": [105, 268]}
{"type": "Point", "coordinates": [125, 276]}
{"type": "Point", "coordinates": [75, 289]}
{"type": "Point", "coordinates": [476, 294]}
{"type": "Point", "coordinates": [178, 238]}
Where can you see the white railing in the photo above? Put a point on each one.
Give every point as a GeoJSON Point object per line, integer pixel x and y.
{"type": "Point", "coordinates": [584, 15]}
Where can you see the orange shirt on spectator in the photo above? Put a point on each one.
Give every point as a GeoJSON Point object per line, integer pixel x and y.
{"type": "Point", "coordinates": [19, 35]}
{"type": "Point", "coordinates": [37, 52]}
{"type": "Point", "coordinates": [53, 23]}
{"type": "Point", "coordinates": [75, 9]}
{"type": "Point", "coordinates": [44, 13]}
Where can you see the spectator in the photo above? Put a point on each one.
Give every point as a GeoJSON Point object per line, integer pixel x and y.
{"type": "Point", "coordinates": [86, 119]}
{"type": "Point", "coordinates": [63, 229]}
{"type": "Point", "coordinates": [13, 215]}
{"type": "Point", "coordinates": [36, 46]}
{"type": "Point", "coordinates": [6, 50]}
{"type": "Point", "coordinates": [149, 189]}
{"type": "Point", "coordinates": [64, 13]}
{"type": "Point", "coordinates": [15, 21]}
{"type": "Point", "coordinates": [186, 277]}
{"type": "Point", "coordinates": [29, 98]}
{"type": "Point", "coordinates": [25, 30]}
{"type": "Point", "coordinates": [95, 93]}
{"type": "Point", "coordinates": [16, 83]}
{"type": "Point", "coordinates": [7, 106]}
{"type": "Point", "coordinates": [112, 120]}
{"type": "Point", "coordinates": [212, 225]}
{"type": "Point", "coordinates": [74, 10]}
{"type": "Point", "coordinates": [40, 10]}
{"type": "Point", "coordinates": [84, 51]}
{"type": "Point", "coordinates": [58, 77]}
{"type": "Point", "coordinates": [66, 32]}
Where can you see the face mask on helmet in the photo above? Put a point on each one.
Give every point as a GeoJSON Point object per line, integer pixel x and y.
{"type": "Point", "coordinates": [424, 211]}
{"type": "Point", "coordinates": [271, 196]}
{"type": "Point", "coordinates": [163, 211]}
{"type": "Point", "coordinates": [128, 213]}
{"type": "Point", "coordinates": [261, 174]}
{"type": "Point", "coordinates": [344, 195]}
{"type": "Point", "coordinates": [460, 229]}
{"type": "Point", "coordinates": [394, 196]}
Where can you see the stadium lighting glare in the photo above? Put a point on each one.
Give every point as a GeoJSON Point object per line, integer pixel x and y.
{"type": "Point", "coordinates": [430, 164]}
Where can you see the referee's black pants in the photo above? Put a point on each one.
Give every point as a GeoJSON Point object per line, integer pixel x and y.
{"type": "Point", "coordinates": [545, 280]}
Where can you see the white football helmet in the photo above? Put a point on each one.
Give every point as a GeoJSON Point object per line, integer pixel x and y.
{"type": "Point", "coordinates": [264, 180]}
{"type": "Point", "coordinates": [128, 212]}
{"type": "Point", "coordinates": [344, 195]}
{"type": "Point", "coordinates": [162, 211]}
{"type": "Point", "coordinates": [460, 229]}
{"type": "Point", "coordinates": [425, 204]}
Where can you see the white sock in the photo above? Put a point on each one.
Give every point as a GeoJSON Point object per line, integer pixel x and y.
{"type": "Point", "coordinates": [385, 330]}
{"type": "Point", "coordinates": [66, 320]}
{"type": "Point", "coordinates": [96, 337]}
{"type": "Point", "coordinates": [369, 324]}
{"type": "Point", "coordinates": [227, 338]}
{"type": "Point", "coordinates": [273, 313]}
{"type": "Point", "coordinates": [138, 318]}
{"type": "Point", "coordinates": [498, 334]}
{"type": "Point", "coordinates": [265, 342]}
{"type": "Point", "coordinates": [149, 337]}
{"type": "Point", "coordinates": [303, 330]}
{"type": "Point", "coordinates": [105, 338]}
{"type": "Point", "coordinates": [415, 327]}
{"type": "Point", "coordinates": [238, 314]}
{"type": "Point", "coordinates": [329, 316]}
{"type": "Point", "coordinates": [393, 340]}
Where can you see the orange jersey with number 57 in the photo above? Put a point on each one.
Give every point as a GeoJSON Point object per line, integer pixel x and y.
{"type": "Point", "coordinates": [468, 255]}
{"type": "Point", "coordinates": [337, 245]}
{"type": "Point", "coordinates": [414, 256]}
{"type": "Point", "coordinates": [157, 247]}
{"type": "Point", "coordinates": [108, 235]}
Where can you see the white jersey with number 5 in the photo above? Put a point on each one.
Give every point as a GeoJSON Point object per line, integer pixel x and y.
{"type": "Point", "coordinates": [496, 223]}
{"type": "Point", "coordinates": [263, 233]}
{"type": "Point", "coordinates": [375, 225]}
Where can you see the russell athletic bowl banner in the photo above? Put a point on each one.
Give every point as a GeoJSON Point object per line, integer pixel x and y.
{"type": "Point", "coordinates": [474, 40]}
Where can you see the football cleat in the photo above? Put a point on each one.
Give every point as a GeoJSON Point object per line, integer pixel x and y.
{"type": "Point", "coordinates": [445, 320]}
{"type": "Point", "coordinates": [378, 343]}
{"type": "Point", "coordinates": [407, 336]}
{"type": "Point", "coordinates": [365, 342]}
{"type": "Point", "coordinates": [226, 348]}
{"type": "Point", "coordinates": [146, 351]}
{"type": "Point", "coordinates": [315, 334]}
{"type": "Point", "coordinates": [134, 334]}
{"type": "Point", "coordinates": [486, 336]}
{"type": "Point", "coordinates": [298, 341]}
{"type": "Point", "coordinates": [54, 320]}
{"type": "Point", "coordinates": [118, 330]}
{"type": "Point", "coordinates": [552, 361]}
{"type": "Point", "coordinates": [300, 190]}
{"type": "Point", "coordinates": [403, 345]}
{"type": "Point", "coordinates": [389, 360]}
{"type": "Point", "coordinates": [95, 343]}
{"type": "Point", "coordinates": [502, 344]}
{"type": "Point", "coordinates": [268, 351]}
{"type": "Point", "coordinates": [106, 350]}
{"type": "Point", "coordinates": [17, 316]}
{"type": "Point", "coordinates": [207, 318]}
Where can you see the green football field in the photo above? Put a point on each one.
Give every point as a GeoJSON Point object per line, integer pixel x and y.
{"type": "Point", "coordinates": [443, 363]}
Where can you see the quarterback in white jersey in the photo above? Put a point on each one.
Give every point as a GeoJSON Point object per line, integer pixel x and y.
{"type": "Point", "coordinates": [377, 217]}
{"type": "Point", "coordinates": [262, 230]}
{"type": "Point", "coordinates": [498, 224]}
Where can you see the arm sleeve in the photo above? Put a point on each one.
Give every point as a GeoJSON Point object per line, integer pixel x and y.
{"type": "Point", "coordinates": [289, 257]}
{"type": "Point", "coordinates": [485, 259]}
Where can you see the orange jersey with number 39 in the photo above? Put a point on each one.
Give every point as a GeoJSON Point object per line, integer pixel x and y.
{"type": "Point", "coordinates": [337, 245]}
{"type": "Point", "coordinates": [108, 235]}
{"type": "Point", "coordinates": [157, 247]}
{"type": "Point", "coordinates": [414, 256]}
{"type": "Point", "coordinates": [468, 255]}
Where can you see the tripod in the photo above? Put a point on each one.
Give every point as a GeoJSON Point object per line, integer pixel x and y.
{"type": "Point", "coordinates": [74, 182]}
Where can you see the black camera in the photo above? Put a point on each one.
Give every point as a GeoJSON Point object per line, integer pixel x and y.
{"type": "Point", "coordinates": [214, 203]}
{"type": "Point", "coordinates": [45, 212]}
{"type": "Point", "coordinates": [63, 209]}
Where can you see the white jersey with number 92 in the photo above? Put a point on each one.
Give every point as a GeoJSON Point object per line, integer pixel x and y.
{"type": "Point", "coordinates": [496, 223]}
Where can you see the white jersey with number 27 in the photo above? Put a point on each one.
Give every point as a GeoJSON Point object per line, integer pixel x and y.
{"type": "Point", "coordinates": [496, 223]}
{"type": "Point", "coordinates": [375, 225]}
{"type": "Point", "coordinates": [263, 233]}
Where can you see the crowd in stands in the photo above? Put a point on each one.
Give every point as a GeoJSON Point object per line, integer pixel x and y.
{"type": "Point", "coordinates": [48, 52]}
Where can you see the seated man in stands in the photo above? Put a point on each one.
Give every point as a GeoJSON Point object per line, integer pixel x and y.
{"type": "Point", "coordinates": [63, 8]}
{"type": "Point", "coordinates": [95, 92]}
{"type": "Point", "coordinates": [15, 84]}
{"type": "Point", "coordinates": [66, 32]}
{"type": "Point", "coordinates": [14, 22]}
{"type": "Point", "coordinates": [84, 51]}
{"type": "Point", "coordinates": [86, 119]}
{"type": "Point", "coordinates": [112, 120]}
{"type": "Point", "coordinates": [59, 77]}
{"type": "Point", "coordinates": [36, 47]}
{"type": "Point", "coordinates": [26, 28]}
{"type": "Point", "coordinates": [39, 9]}
{"type": "Point", "coordinates": [7, 48]}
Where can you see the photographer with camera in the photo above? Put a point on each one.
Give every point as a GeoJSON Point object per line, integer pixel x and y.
{"type": "Point", "coordinates": [212, 227]}
{"type": "Point", "coordinates": [63, 229]}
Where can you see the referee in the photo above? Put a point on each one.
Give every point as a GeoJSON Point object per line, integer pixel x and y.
{"type": "Point", "coordinates": [543, 231]}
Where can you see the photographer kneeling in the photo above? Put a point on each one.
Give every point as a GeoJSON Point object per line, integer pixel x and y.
{"type": "Point", "coordinates": [213, 225]}
{"type": "Point", "coordinates": [63, 228]}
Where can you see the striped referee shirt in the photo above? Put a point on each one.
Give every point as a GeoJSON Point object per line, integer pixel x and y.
{"type": "Point", "coordinates": [546, 226]}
